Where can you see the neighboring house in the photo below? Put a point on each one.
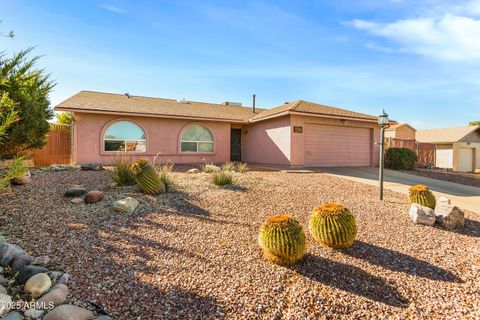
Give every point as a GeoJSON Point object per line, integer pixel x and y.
{"type": "Point", "coordinates": [400, 131]}
{"type": "Point", "coordinates": [456, 148]}
{"type": "Point", "coordinates": [295, 134]}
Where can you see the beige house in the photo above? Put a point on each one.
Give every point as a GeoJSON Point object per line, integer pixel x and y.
{"type": "Point", "coordinates": [400, 131]}
{"type": "Point", "coordinates": [456, 148]}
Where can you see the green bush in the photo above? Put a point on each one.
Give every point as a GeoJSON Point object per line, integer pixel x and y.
{"type": "Point", "coordinates": [122, 173]}
{"type": "Point", "coordinates": [16, 170]}
{"type": "Point", "coordinates": [400, 159]}
{"type": "Point", "coordinates": [222, 178]}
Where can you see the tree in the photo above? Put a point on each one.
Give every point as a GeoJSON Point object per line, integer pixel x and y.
{"type": "Point", "coordinates": [29, 88]}
{"type": "Point", "coordinates": [8, 115]}
{"type": "Point", "coordinates": [474, 123]}
{"type": "Point", "coordinates": [64, 118]}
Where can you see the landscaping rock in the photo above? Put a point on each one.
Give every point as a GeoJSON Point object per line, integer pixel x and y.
{"type": "Point", "coordinates": [422, 215]}
{"type": "Point", "coordinates": [3, 281]}
{"type": "Point", "coordinates": [192, 171]}
{"type": "Point", "coordinates": [19, 262]}
{"type": "Point", "coordinates": [76, 200]}
{"type": "Point", "coordinates": [64, 278]}
{"type": "Point", "coordinates": [28, 272]}
{"type": "Point", "coordinates": [91, 167]}
{"type": "Point", "coordinates": [127, 205]}
{"type": "Point", "coordinates": [3, 290]}
{"type": "Point", "coordinates": [38, 284]}
{"type": "Point", "coordinates": [25, 179]}
{"type": "Point", "coordinates": [41, 261]}
{"type": "Point", "coordinates": [94, 196]}
{"type": "Point", "coordinates": [69, 312]}
{"type": "Point", "coordinates": [9, 251]}
{"type": "Point", "coordinates": [56, 296]}
{"type": "Point", "coordinates": [1, 269]}
{"type": "Point", "coordinates": [103, 318]}
{"type": "Point", "coordinates": [15, 315]}
{"type": "Point", "coordinates": [443, 200]}
{"type": "Point", "coordinates": [449, 216]}
{"type": "Point", "coordinates": [5, 303]}
{"type": "Point", "coordinates": [34, 314]}
{"type": "Point", "coordinates": [55, 275]}
{"type": "Point", "coordinates": [75, 192]}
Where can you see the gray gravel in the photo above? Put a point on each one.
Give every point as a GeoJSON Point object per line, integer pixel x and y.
{"type": "Point", "coordinates": [192, 253]}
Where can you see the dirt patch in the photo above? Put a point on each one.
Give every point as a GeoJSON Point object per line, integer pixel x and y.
{"type": "Point", "coordinates": [192, 253]}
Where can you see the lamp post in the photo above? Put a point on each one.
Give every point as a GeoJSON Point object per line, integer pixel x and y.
{"type": "Point", "coordinates": [383, 123]}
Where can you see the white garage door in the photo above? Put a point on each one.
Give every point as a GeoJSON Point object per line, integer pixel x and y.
{"type": "Point", "coordinates": [444, 157]}
{"type": "Point", "coordinates": [335, 146]}
{"type": "Point", "coordinates": [465, 160]}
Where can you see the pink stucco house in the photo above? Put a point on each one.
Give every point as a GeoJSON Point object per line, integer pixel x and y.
{"type": "Point", "coordinates": [297, 134]}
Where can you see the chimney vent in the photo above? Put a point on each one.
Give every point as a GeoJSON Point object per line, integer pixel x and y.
{"type": "Point", "coordinates": [253, 103]}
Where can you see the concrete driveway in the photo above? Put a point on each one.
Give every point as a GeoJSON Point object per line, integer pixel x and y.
{"type": "Point", "coordinates": [465, 197]}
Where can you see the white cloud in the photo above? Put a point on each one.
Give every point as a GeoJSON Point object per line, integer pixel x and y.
{"type": "Point", "coordinates": [111, 8]}
{"type": "Point", "coordinates": [448, 36]}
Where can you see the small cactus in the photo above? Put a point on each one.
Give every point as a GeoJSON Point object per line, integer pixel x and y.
{"type": "Point", "coordinates": [422, 195]}
{"type": "Point", "coordinates": [282, 239]}
{"type": "Point", "coordinates": [333, 225]}
{"type": "Point", "coordinates": [147, 178]}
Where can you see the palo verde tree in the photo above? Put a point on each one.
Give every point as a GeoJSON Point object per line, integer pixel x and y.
{"type": "Point", "coordinates": [474, 123]}
{"type": "Point", "coordinates": [64, 118]}
{"type": "Point", "coordinates": [28, 88]}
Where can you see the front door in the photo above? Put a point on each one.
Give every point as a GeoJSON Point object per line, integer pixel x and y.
{"type": "Point", "coordinates": [235, 144]}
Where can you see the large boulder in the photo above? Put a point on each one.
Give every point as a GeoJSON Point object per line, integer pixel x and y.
{"type": "Point", "coordinates": [69, 312]}
{"type": "Point", "coordinates": [34, 314]}
{"type": "Point", "coordinates": [14, 315]}
{"type": "Point", "coordinates": [422, 215]}
{"type": "Point", "coordinates": [56, 296]}
{"type": "Point", "coordinates": [28, 272]}
{"type": "Point", "coordinates": [19, 262]}
{"type": "Point", "coordinates": [127, 205]}
{"type": "Point", "coordinates": [5, 304]}
{"type": "Point", "coordinates": [94, 196]}
{"type": "Point", "coordinates": [75, 191]}
{"type": "Point", "coordinates": [449, 216]}
{"type": "Point", "coordinates": [9, 251]}
{"type": "Point", "coordinates": [38, 284]}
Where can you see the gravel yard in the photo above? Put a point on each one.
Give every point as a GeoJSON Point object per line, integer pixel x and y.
{"type": "Point", "coordinates": [193, 253]}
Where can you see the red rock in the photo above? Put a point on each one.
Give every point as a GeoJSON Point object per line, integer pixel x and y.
{"type": "Point", "coordinates": [93, 196]}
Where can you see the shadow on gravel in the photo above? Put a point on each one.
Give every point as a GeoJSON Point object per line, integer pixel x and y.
{"type": "Point", "coordinates": [181, 202]}
{"type": "Point", "coordinates": [470, 229]}
{"type": "Point", "coordinates": [399, 262]}
{"type": "Point", "coordinates": [351, 279]}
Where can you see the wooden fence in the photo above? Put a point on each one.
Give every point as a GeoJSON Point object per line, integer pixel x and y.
{"type": "Point", "coordinates": [425, 151]}
{"type": "Point", "coordinates": [58, 149]}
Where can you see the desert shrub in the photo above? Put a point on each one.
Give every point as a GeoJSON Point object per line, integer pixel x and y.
{"type": "Point", "coordinates": [17, 170]}
{"type": "Point", "coordinates": [210, 168]}
{"type": "Point", "coordinates": [400, 159]}
{"type": "Point", "coordinates": [333, 225]}
{"type": "Point", "coordinates": [421, 195]}
{"type": "Point", "coordinates": [147, 177]}
{"type": "Point", "coordinates": [122, 173]}
{"type": "Point", "coordinates": [165, 177]}
{"type": "Point", "coordinates": [229, 166]}
{"type": "Point", "coordinates": [222, 178]}
{"type": "Point", "coordinates": [282, 239]}
{"type": "Point", "coordinates": [242, 167]}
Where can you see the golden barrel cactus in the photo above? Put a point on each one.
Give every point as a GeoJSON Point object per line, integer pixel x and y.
{"type": "Point", "coordinates": [421, 195]}
{"type": "Point", "coordinates": [147, 177]}
{"type": "Point", "coordinates": [333, 225]}
{"type": "Point", "coordinates": [282, 239]}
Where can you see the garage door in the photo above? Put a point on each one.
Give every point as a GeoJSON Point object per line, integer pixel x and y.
{"type": "Point", "coordinates": [444, 156]}
{"type": "Point", "coordinates": [334, 146]}
{"type": "Point", "coordinates": [465, 159]}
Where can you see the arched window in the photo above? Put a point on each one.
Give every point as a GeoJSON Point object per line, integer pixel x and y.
{"type": "Point", "coordinates": [196, 138]}
{"type": "Point", "coordinates": [124, 136]}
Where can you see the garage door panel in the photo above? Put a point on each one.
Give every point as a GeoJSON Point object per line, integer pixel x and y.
{"type": "Point", "coordinates": [337, 146]}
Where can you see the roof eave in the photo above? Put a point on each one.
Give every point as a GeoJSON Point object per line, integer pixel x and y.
{"type": "Point", "coordinates": [310, 114]}
{"type": "Point", "coordinates": [139, 114]}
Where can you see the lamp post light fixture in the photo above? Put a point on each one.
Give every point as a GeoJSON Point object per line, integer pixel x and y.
{"type": "Point", "coordinates": [383, 123]}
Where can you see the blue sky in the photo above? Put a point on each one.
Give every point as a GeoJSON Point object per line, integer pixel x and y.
{"type": "Point", "coordinates": [420, 60]}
